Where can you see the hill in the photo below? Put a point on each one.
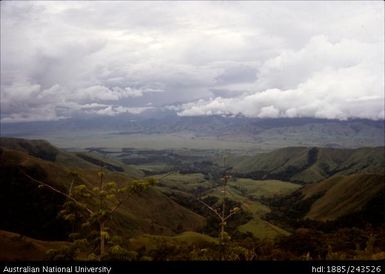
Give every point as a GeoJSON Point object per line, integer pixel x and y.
{"type": "Point", "coordinates": [32, 211]}
{"type": "Point", "coordinates": [16, 247]}
{"type": "Point", "coordinates": [278, 196]}
{"type": "Point", "coordinates": [342, 195]}
{"type": "Point", "coordinates": [43, 150]}
{"type": "Point", "coordinates": [37, 148]}
{"type": "Point", "coordinates": [308, 164]}
{"type": "Point", "coordinates": [355, 200]}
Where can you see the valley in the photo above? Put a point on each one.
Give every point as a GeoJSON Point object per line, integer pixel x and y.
{"type": "Point", "coordinates": [192, 137]}
{"type": "Point", "coordinates": [164, 130]}
{"type": "Point", "coordinates": [274, 198]}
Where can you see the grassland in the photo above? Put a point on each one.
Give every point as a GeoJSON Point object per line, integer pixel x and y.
{"type": "Point", "coordinates": [21, 248]}
{"type": "Point", "coordinates": [183, 182]}
{"type": "Point", "coordinates": [307, 164]}
{"type": "Point", "coordinates": [256, 189]}
{"type": "Point", "coordinates": [247, 192]}
{"type": "Point", "coordinates": [253, 190]}
{"type": "Point", "coordinates": [343, 195]}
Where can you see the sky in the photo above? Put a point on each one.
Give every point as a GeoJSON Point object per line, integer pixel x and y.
{"type": "Point", "coordinates": [258, 59]}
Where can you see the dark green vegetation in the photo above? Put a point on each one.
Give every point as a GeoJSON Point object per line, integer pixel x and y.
{"type": "Point", "coordinates": [294, 203]}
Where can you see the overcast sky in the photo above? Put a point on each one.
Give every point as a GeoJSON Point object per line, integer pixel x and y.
{"type": "Point", "coordinates": [259, 59]}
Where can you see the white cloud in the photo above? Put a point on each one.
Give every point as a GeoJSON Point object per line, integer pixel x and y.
{"type": "Point", "coordinates": [352, 92]}
{"type": "Point", "coordinates": [102, 93]}
{"type": "Point", "coordinates": [114, 110]}
{"type": "Point", "coordinates": [261, 59]}
{"type": "Point", "coordinates": [325, 80]}
{"type": "Point", "coordinates": [23, 101]}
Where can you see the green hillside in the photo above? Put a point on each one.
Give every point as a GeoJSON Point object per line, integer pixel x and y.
{"type": "Point", "coordinates": [171, 220]}
{"type": "Point", "coordinates": [31, 210]}
{"type": "Point", "coordinates": [37, 148]}
{"type": "Point", "coordinates": [342, 195]}
{"type": "Point", "coordinates": [343, 200]}
{"type": "Point", "coordinates": [43, 150]}
{"type": "Point", "coordinates": [303, 164]}
{"type": "Point", "coordinates": [248, 192]}
{"type": "Point", "coordinates": [184, 188]}
{"type": "Point", "coordinates": [16, 247]}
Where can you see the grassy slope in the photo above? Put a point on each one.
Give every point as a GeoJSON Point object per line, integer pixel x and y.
{"type": "Point", "coordinates": [246, 191]}
{"type": "Point", "coordinates": [263, 188]}
{"type": "Point", "coordinates": [342, 195]}
{"type": "Point", "coordinates": [149, 212]}
{"type": "Point", "coordinates": [43, 150]}
{"type": "Point", "coordinates": [96, 157]}
{"type": "Point", "coordinates": [153, 212]}
{"type": "Point", "coordinates": [309, 164]}
{"type": "Point", "coordinates": [38, 148]}
{"type": "Point", "coordinates": [182, 182]}
{"type": "Point", "coordinates": [16, 247]}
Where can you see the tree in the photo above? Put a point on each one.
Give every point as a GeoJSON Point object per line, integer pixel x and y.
{"type": "Point", "coordinates": [222, 216]}
{"type": "Point", "coordinates": [90, 210]}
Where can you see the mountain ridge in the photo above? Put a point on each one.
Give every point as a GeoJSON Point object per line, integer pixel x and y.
{"type": "Point", "coordinates": [308, 164]}
{"type": "Point", "coordinates": [269, 133]}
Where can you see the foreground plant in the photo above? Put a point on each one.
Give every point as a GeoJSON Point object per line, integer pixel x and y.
{"type": "Point", "coordinates": [90, 211]}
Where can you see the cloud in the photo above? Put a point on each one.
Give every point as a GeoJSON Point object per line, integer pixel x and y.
{"type": "Point", "coordinates": [114, 110]}
{"type": "Point", "coordinates": [291, 59]}
{"type": "Point", "coordinates": [101, 93]}
{"type": "Point", "coordinates": [330, 94]}
{"type": "Point", "coordinates": [24, 101]}
{"type": "Point", "coordinates": [324, 80]}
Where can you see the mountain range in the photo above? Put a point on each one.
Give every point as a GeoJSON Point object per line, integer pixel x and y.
{"type": "Point", "coordinates": [265, 134]}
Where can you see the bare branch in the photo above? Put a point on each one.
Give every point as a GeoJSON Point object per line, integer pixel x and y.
{"type": "Point", "coordinates": [211, 208]}
{"type": "Point", "coordinates": [58, 191]}
{"type": "Point", "coordinates": [116, 207]}
{"type": "Point", "coordinates": [231, 214]}
{"type": "Point", "coordinates": [242, 202]}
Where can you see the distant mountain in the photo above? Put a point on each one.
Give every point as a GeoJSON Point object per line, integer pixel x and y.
{"type": "Point", "coordinates": [265, 133]}
{"type": "Point", "coordinates": [308, 164]}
